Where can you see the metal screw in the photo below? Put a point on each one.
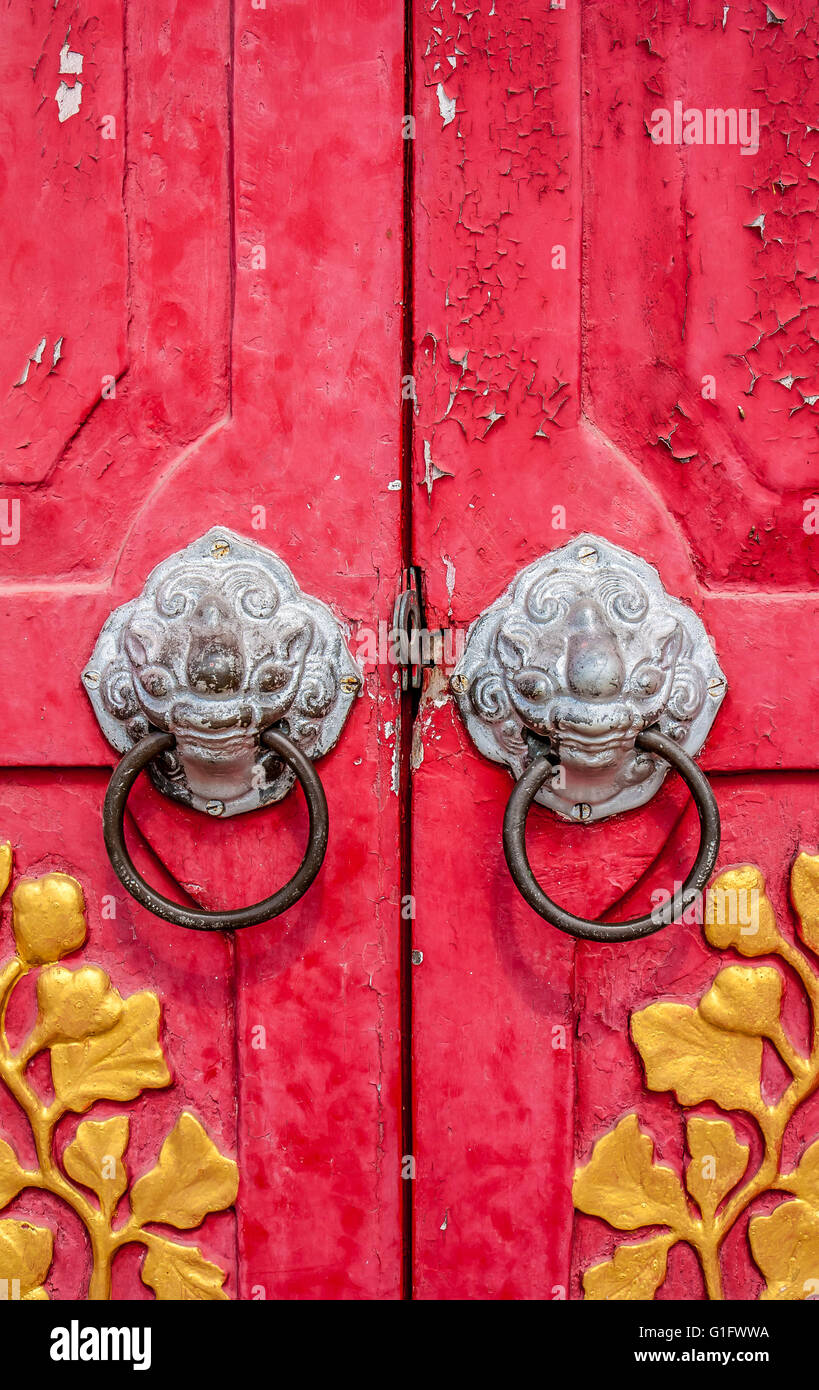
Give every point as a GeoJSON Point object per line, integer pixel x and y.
{"type": "Point", "coordinates": [459, 684]}
{"type": "Point", "coordinates": [219, 549]}
{"type": "Point", "coordinates": [92, 678]}
{"type": "Point", "coordinates": [417, 957]}
{"type": "Point", "coordinates": [215, 808]}
{"type": "Point", "coordinates": [716, 685]}
{"type": "Point", "coordinates": [350, 684]}
{"type": "Point", "coordinates": [581, 811]}
{"type": "Point", "coordinates": [587, 555]}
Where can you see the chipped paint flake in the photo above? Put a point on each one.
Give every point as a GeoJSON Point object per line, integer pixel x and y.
{"type": "Point", "coordinates": [446, 105]}
{"type": "Point", "coordinates": [70, 62]}
{"type": "Point", "coordinates": [35, 356]}
{"type": "Point", "coordinates": [69, 100]}
{"type": "Point", "coordinates": [431, 470]}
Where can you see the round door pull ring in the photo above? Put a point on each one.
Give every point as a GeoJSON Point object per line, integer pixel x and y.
{"type": "Point", "coordinates": [116, 798]}
{"type": "Point", "coordinates": [514, 847]}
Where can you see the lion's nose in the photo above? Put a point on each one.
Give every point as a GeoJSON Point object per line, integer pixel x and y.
{"type": "Point", "coordinates": [215, 662]}
{"type": "Point", "coordinates": [594, 667]}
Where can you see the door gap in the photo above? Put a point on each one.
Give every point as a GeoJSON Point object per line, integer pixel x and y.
{"type": "Point", "coordinates": [409, 701]}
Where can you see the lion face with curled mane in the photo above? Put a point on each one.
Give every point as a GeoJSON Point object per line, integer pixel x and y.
{"type": "Point", "coordinates": [215, 651]}
{"type": "Point", "coordinates": [583, 652]}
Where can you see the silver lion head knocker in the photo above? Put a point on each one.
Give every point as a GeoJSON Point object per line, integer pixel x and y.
{"type": "Point", "coordinates": [226, 682]}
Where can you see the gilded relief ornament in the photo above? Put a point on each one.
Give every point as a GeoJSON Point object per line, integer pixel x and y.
{"type": "Point", "coordinates": [714, 1053]}
{"type": "Point", "coordinates": [101, 1047]}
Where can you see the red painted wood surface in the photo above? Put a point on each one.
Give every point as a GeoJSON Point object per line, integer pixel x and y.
{"type": "Point", "coordinates": [237, 385]}
{"type": "Point", "coordinates": [133, 230]}
{"type": "Point", "coordinates": [582, 388]}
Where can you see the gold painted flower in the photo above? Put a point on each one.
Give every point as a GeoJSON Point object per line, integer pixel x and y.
{"type": "Point", "coordinates": [738, 913]}
{"type": "Point", "coordinates": [75, 1004]}
{"type": "Point", "coordinates": [49, 918]}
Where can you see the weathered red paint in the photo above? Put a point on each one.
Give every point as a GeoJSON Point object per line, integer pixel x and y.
{"type": "Point", "coordinates": [240, 384]}
{"type": "Point", "coordinates": [541, 387]}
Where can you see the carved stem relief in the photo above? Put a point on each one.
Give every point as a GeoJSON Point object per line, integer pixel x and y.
{"type": "Point", "coordinates": [714, 1053]}
{"type": "Point", "coordinates": [101, 1047]}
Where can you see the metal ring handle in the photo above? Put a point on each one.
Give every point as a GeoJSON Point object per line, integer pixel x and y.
{"type": "Point", "coordinates": [113, 813]}
{"type": "Point", "coordinates": [514, 847]}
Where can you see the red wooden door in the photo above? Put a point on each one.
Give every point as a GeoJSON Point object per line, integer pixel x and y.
{"type": "Point", "coordinates": [615, 336]}
{"type": "Point", "coordinates": [229, 321]}
{"type": "Point", "coordinates": [214, 225]}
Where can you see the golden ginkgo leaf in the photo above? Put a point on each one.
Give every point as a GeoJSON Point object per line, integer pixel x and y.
{"type": "Point", "coordinates": [117, 1064]}
{"type": "Point", "coordinates": [718, 1161]}
{"type": "Point", "coordinates": [804, 1180]}
{"type": "Point", "coordinates": [6, 858]}
{"type": "Point", "coordinates": [25, 1259]}
{"type": "Point", "coordinates": [181, 1272]}
{"type": "Point", "coordinates": [805, 896]}
{"type": "Point", "coordinates": [635, 1272]}
{"type": "Point", "coordinates": [191, 1179]}
{"type": "Point", "coordinates": [745, 999]}
{"type": "Point", "coordinates": [72, 1005]}
{"type": "Point", "coordinates": [785, 1245]}
{"type": "Point", "coordinates": [94, 1158]}
{"type": "Point", "coordinates": [48, 916]}
{"type": "Point", "coordinates": [684, 1053]}
{"type": "Point", "coordinates": [738, 913]}
{"type": "Point", "coordinates": [622, 1183]}
{"type": "Point", "coordinates": [12, 1176]}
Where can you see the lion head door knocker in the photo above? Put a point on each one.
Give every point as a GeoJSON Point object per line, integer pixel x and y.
{"type": "Point", "coordinates": [588, 681]}
{"type": "Point", "coordinates": [226, 682]}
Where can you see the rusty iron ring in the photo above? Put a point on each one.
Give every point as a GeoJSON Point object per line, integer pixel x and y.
{"type": "Point", "coordinates": [122, 779]}
{"type": "Point", "coordinates": [514, 847]}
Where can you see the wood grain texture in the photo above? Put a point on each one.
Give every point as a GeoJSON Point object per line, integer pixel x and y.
{"type": "Point", "coordinates": [542, 388]}
{"type": "Point", "coordinates": [246, 381]}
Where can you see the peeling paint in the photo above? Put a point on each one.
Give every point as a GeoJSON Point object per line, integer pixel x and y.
{"type": "Point", "coordinates": [69, 100]}
{"type": "Point", "coordinates": [70, 62]}
{"type": "Point", "coordinates": [446, 105]}
{"type": "Point", "coordinates": [431, 470]}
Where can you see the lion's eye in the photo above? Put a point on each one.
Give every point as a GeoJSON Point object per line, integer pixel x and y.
{"type": "Point", "coordinates": [533, 685]}
{"type": "Point", "coordinates": [271, 677]}
{"type": "Point", "coordinates": [647, 680]}
{"type": "Point", "coordinates": [157, 681]}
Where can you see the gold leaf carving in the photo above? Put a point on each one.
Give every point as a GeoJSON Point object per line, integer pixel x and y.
{"type": "Point", "coordinates": [718, 1161]}
{"type": "Point", "coordinates": [12, 1176]}
{"type": "Point", "coordinates": [785, 1245]}
{"type": "Point", "coordinates": [714, 1052]}
{"type": "Point", "coordinates": [102, 1047]}
{"type": "Point", "coordinates": [683, 1053]}
{"type": "Point", "coordinates": [25, 1259]}
{"type": "Point", "coordinates": [804, 1180]}
{"type": "Point", "coordinates": [94, 1158]}
{"type": "Point", "coordinates": [622, 1183]}
{"type": "Point", "coordinates": [49, 918]}
{"type": "Point", "coordinates": [5, 866]}
{"type": "Point", "coordinates": [181, 1272]}
{"type": "Point", "coordinates": [745, 999]}
{"type": "Point", "coordinates": [635, 1272]}
{"type": "Point", "coordinates": [191, 1179]}
{"type": "Point", "coordinates": [738, 913]}
{"type": "Point", "coordinates": [805, 896]}
{"type": "Point", "coordinates": [73, 1004]}
{"type": "Point", "coordinates": [116, 1065]}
